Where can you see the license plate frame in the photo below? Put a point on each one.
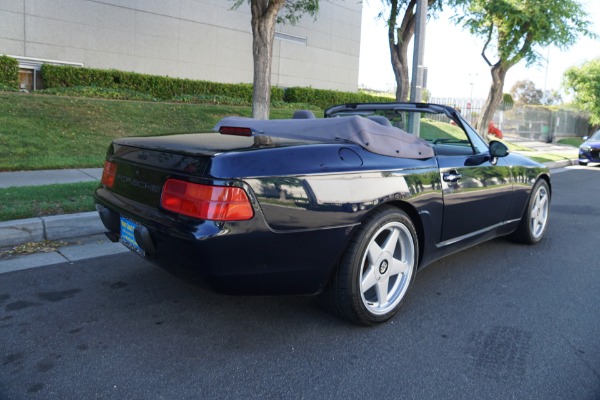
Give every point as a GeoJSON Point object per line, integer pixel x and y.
{"type": "Point", "coordinates": [127, 237]}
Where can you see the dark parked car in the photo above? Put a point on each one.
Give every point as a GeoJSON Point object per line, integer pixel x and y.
{"type": "Point", "coordinates": [348, 206]}
{"type": "Point", "coordinates": [589, 151]}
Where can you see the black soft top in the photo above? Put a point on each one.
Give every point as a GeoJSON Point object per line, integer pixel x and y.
{"type": "Point", "coordinates": [374, 137]}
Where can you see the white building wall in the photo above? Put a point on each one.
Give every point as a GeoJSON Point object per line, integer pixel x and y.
{"type": "Point", "coordinates": [197, 39]}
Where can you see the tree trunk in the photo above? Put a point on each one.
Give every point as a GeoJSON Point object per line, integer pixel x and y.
{"type": "Point", "coordinates": [400, 67]}
{"type": "Point", "coordinates": [494, 98]}
{"type": "Point", "coordinates": [399, 51]}
{"type": "Point", "coordinates": [264, 15]}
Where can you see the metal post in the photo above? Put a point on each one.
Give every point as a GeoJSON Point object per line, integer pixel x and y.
{"type": "Point", "coordinates": [472, 77]}
{"type": "Point", "coordinates": [417, 69]}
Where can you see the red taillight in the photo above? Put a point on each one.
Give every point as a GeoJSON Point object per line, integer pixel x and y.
{"type": "Point", "coordinates": [216, 203]}
{"type": "Point", "coordinates": [109, 174]}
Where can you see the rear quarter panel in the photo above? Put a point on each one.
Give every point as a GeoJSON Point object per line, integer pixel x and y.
{"type": "Point", "coordinates": [326, 186]}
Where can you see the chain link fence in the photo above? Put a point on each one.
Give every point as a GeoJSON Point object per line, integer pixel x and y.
{"type": "Point", "coordinates": [547, 124]}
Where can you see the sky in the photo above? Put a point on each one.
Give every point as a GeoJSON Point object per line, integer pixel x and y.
{"type": "Point", "coordinates": [453, 57]}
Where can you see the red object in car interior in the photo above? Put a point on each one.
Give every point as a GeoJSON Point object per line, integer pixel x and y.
{"type": "Point", "coordinates": [215, 203]}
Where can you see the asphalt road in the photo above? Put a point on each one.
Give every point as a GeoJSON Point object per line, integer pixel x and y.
{"type": "Point", "coordinates": [498, 321]}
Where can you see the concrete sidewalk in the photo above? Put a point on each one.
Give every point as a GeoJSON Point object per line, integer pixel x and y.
{"type": "Point", "coordinates": [49, 177]}
{"type": "Point", "coordinates": [58, 227]}
{"type": "Point", "coordinates": [82, 233]}
{"type": "Point", "coordinates": [538, 148]}
{"type": "Point", "coordinates": [88, 225]}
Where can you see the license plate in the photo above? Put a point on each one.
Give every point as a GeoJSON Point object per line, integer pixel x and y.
{"type": "Point", "coordinates": [127, 236]}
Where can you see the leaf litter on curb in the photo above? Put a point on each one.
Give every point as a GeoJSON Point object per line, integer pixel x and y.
{"type": "Point", "coordinates": [46, 246]}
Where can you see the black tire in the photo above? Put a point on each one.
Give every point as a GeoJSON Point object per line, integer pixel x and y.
{"type": "Point", "coordinates": [583, 163]}
{"type": "Point", "coordinates": [384, 253]}
{"type": "Point", "coordinates": [533, 224]}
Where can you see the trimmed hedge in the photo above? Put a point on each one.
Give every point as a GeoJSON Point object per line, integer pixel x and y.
{"type": "Point", "coordinates": [327, 98]}
{"type": "Point", "coordinates": [9, 72]}
{"type": "Point", "coordinates": [187, 90]}
{"type": "Point", "coordinates": [161, 87]}
{"type": "Point", "coordinates": [6, 88]}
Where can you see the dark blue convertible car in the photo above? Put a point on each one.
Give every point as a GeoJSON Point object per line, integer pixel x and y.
{"type": "Point", "coordinates": [348, 206]}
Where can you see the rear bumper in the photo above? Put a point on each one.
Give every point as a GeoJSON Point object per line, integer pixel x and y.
{"type": "Point", "coordinates": [243, 257]}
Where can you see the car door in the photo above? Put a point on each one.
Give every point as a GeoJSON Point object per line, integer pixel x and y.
{"type": "Point", "coordinates": [476, 190]}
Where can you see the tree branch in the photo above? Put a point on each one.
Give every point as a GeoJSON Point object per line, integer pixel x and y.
{"type": "Point", "coordinates": [489, 39]}
{"type": "Point", "coordinates": [392, 24]}
{"type": "Point", "coordinates": [523, 50]}
{"type": "Point", "coordinates": [409, 16]}
{"type": "Point", "coordinates": [273, 8]}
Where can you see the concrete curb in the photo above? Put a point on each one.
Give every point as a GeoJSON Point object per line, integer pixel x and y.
{"type": "Point", "coordinates": [57, 227]}
{"type": "Point", "coordinates": [13, 233]}
{"type": "Point", "coordinates": [85, 248]}
{"type": "Point", "coordinates": [560, 164]}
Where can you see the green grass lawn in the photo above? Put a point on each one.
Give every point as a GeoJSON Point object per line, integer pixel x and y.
{"type": "Point", "coordinates": [431, 130]}
{"type": "Point", "coordinates": [47, 132]}
{"type": "Point", "coordinates": [514, 146]}
{"type": "Point", "coordinates": [546, 157]}
{"type": "Point", "coordinates": [571, 141]}
{"type": "Point", "coordinates": [39, 201]}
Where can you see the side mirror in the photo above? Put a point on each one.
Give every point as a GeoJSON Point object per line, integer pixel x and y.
{"type": "Point", "coordinates": [585, 138]}
{"type": "Point", "coordinates": [498, 149]}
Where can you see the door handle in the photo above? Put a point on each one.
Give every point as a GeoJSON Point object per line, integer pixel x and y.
{"type": "Point", "coordinates": [452, 176]}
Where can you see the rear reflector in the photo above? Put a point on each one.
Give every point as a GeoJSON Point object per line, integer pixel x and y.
{"type": "Point", "coordinates": [109, 174]}
{"type": "Point", "coordinates": [234, 130]}
{"type": "Point", "coordinates": [215, 203]}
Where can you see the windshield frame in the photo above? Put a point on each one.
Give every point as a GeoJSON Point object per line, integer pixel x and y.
{"type": "Point", "coordinates": [478, 143]}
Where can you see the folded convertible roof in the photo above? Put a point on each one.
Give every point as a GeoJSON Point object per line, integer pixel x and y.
{"type": "Point", "coordinates": [370, 135]}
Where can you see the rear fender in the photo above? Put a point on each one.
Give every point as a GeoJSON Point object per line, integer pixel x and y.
{"type": "Point", "coordinates": [412, 213]}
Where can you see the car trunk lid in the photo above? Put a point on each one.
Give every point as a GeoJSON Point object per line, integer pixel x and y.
{"type": "Point", "coordinates": [144, 164]}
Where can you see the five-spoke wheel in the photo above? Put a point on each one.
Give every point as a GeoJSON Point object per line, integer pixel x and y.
{"type": "Point", "coordinates": [535, 219]}
{"type": "Point", "coordinates": [539, 211]}
{"type": "Point", "coordinates": [386, 268]}
{"type": "Point", "coordinates": [376, 269]}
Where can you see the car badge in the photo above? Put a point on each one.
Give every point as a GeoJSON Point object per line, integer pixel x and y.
{"type": "Point", "coordinates": [383, 267]}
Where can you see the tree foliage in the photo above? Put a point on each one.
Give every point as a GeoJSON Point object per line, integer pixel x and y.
{"type": "Point", "coordinates": [520, 27]}
{"type": "Point", "coordinates": [290, 11]}
{"type": "Point", "coordinates": [265, 14]}
{"type": "Point", "coordinates": [515, 30]}
{"type": "Point", "coordinates": [584, 82]}
{"type": "Point", "coordinates": [525, 92]}
{"type": "Point", "coordinates": [552, 98]}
